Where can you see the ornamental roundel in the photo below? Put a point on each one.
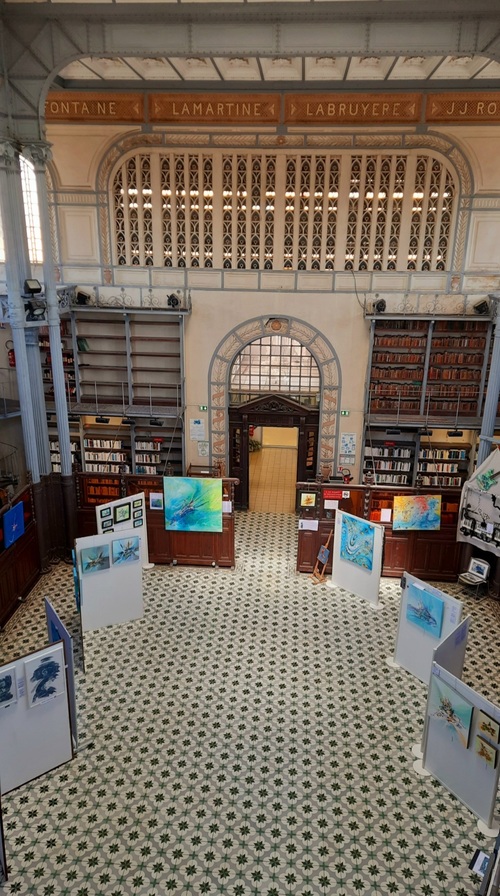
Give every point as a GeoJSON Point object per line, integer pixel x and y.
{"type": "Point", "coordinates": [330, 378]}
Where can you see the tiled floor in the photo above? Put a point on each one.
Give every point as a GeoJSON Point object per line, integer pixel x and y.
{"type": "Point", "coordinates": [273, 476]}
{"type": "Point", "coordinates": [245, 738]}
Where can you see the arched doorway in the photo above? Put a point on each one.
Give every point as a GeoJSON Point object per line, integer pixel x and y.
{"type": "Point", "coordinates": [228, 421]}
{"type": "Point", "coordinates": [274, 411]}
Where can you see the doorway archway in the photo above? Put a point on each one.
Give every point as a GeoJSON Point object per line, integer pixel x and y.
{"type": "Point", "coordinates": [326, 411]}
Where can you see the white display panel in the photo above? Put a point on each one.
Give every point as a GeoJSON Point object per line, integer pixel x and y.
{"type": "Point", "coordinates": [110, 587]}
{"type": "Point", "coordinates": [357, 562]}
{"type": "Point", "coordinates": [3, 856]}
{"type": "Point", "coordinates": [35, 730]}
{"type": "Point", "coordinates": [455, 719]}
{"type": "Point", "coordinates": [124, 514]}
{"type": "Point", "coordinates": [57, 631]}
{"type": "Point", "coordinates": [427, 616]}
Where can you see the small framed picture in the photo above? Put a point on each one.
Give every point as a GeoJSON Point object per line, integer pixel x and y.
{"type": "Point", "coordinates": [107, 524]}
{"type": "Point", "coordinates": [137, 514]}
{"type": "Point", "coordinates": [104, 512]}
{"type": "Point", "coordinates": [487, 727]}
{"type": "Point", "coordinates": [137, 502]}
{"type": "Point", "coordinates": [121, 513]}
{"type": "Point", "coordinates": [138, 523]}
{"type": "Point", "coordinates": [308, 499]}
{"type": "Point", "coordinates": [156, 501]}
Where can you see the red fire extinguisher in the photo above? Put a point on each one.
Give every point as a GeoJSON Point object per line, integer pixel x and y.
{"type": "Point", "coordinates": [10, 353]}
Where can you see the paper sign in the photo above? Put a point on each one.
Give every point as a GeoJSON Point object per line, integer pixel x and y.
{"type": "Point", "coordinates": [227, 506]}
{"type": "Point", "coordinates": [309, 524]}
{"type": "Point", "coordinates": [331, 505]}
{"type": "Point", "coordinates": [385, 515]}
{"type": "Point", "coordinates": [197, 430]}
{"type": "Point", "coordinates": [334, 493]}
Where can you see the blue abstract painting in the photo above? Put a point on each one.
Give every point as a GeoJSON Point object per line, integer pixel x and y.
{"type": "Point", "coordinates": [357, 539]}
{"type": "Point", "coordinates": [8, 691]}
{"type": "Point", "coordinates": [45, 676]}
{"type": "Point", "coordinates": [126, 550]}
{"type": "Point", "coordinates": [94, 559]}
{"type": "Point", "coordinates": [13, 524]}
{"type": "Point", "coordinates": [192, 505]}
{"type": "Point", "coordinates": [425, 610]}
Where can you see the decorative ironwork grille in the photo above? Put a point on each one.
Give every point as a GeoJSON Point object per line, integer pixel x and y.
{"type": "Point", "coordinates": [275, 364]}
{"type": "Point", "coordinates": [320, 211]}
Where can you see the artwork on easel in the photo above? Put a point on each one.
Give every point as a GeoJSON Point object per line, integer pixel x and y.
{"type": "Point", "coordinates": [451, 710]}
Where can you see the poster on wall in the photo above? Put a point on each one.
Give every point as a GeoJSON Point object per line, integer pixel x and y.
{"type": "Point", "coordinates": [417, 512]}
{"type": "Point", "coordinates": [192, 505]}
{"type": "Point", "coordinates": [357, 540]}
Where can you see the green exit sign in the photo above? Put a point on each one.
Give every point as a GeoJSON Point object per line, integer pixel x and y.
{"type": "Point", "coordinates": [203, 407]}
{"type": "Point", "coordinates": [344, 413]}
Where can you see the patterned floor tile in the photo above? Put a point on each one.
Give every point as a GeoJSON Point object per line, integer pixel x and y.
{"type": "Point", "coordinates": [245, 738]}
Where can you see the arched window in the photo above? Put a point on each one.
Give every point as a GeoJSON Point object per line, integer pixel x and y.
{"type": "Point", "coordinates": [314, 211]}
{"type": "Point", "coordinates": [275, 364]}
{"type": "Point", "coordinates": [32, 214]}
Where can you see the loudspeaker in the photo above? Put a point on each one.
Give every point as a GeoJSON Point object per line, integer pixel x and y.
{"type": "Point", "coordinates": [379, 306]}
{"type": "Point", "coordinates": [481, 307]}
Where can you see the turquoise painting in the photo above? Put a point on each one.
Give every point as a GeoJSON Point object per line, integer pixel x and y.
{"type": "Point", "coordinates": [192, 505]}
{"type": "Point", "coordinates": [356, 541]}
{"type": "Point", "coordinates": [417, 512]}
{"type": "Point", "coordinates": [425, 610]}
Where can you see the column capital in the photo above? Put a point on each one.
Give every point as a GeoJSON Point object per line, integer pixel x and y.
{"type": "Point", "coordinates": [37, 151]}
{"type": "Point", "coordinates": [9, 151]}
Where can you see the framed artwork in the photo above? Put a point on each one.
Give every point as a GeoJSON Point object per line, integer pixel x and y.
{"type": "Point", "coordinates": [488, 727]}
{"type": "Point", "coordinates": [121, 513]}
{"type": "Point", "coordinates": [106, 511]}
{"type": "Point", "coordinates": [155, 501]}
{"type": "Point", "coordinates": [192, 505]}
{"type": "Point", "coordinates": [425, 610]}
{"type": "Point", "coordinates": [357, 538]}
{"type": "Point", "coordinates": [453, 712]}
{"type": "Point", "coordinates": [137, 502]}
{"type": "Point", "coordinates": [8, 686]}
{"type": "Point", "coordinates": [417, 512]}
{"type": "Point", "coordinates": [485, 751]}
{"type": "Point", "coordinates": [107, 524]}
{"type": "Point", "coordinates": [45, 676]}
{"type": "Point", "coordinates": [137, 514]}
{"type": "Point", "coordinates": [308, 499]}
{"type": "Point", "coordinates": [94, 559]}
{"type": "Point", "coordinates": [138, 523]}
{"type": "Point", "coordinates": [13, 524]}
{"type": "Point", "coordinates": [126, 550]}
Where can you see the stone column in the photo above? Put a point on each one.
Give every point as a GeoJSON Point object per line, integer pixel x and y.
{"type": "Point", "coordinates": [39, 154]}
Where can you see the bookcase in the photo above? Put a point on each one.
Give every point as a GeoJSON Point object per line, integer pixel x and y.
{"type": "Point", "coordinates": [443, 466]}
{"type": "Point", "coordinates": [391, 462]}
{"type": "Point", "coordinates": [428, 368]}
{"type": "Point", "coordinates": [68, 364]}
{"type": "Point", "coordinates": [106, 447]}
